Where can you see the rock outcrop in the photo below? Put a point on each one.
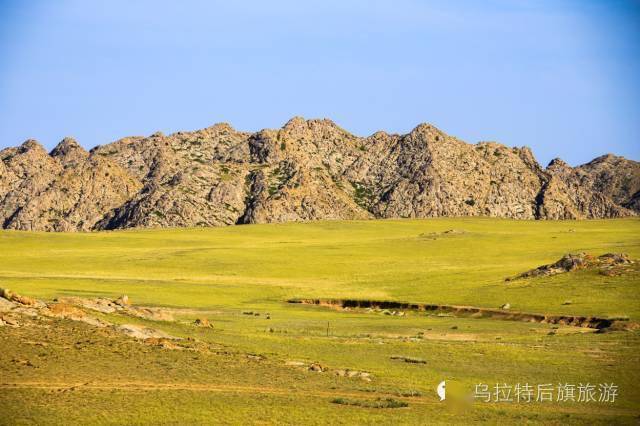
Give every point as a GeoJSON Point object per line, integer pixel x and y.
{"type": "Point", "coordinates": [607, 264]}
{"type": "Point", "coordinates": [66, 190]}
{"type": "Point", "coordinates": [307, 170]}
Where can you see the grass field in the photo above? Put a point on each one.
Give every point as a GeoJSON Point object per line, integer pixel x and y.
{"type": "Point", "coordinates": [222, 273]}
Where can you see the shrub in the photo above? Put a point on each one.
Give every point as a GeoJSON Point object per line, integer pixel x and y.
{"type": "Point", "coordinates": [377, 403]}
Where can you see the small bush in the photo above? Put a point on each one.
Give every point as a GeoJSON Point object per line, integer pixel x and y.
{"type": "Point", "coordinates": [409, 393]}
{"type": "Point", "coordinates": [408, 359]}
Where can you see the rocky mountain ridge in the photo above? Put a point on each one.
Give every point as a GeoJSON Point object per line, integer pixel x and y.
{"type": "Point", "coordinates": [307, 170]}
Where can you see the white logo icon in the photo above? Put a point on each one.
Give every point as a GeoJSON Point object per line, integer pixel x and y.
{"type": "Point", "coordinates": [441, 390]}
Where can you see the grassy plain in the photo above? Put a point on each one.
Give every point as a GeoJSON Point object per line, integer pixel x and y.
{"type": "Point", "coordinates": [222, 272]}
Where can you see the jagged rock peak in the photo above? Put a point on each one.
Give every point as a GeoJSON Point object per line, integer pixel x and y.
{"type": "Point", "coordinates": [298, 122]}
{"type": "Point", "coordinates": [31, 144]}
{"type": "Point", "coordinates": [222, 126]}
{"type": "Point", "coordinates": [317, 129]}
{"type": "Point", "coordinates": [295, 122]}
{"type": "Point", "coordinates": [69, 152]}
{"type": "Point", "coordinates": [558, 163]}
{"type": "Point", "coordinates": [422, 127]}
{"type": "Point", "coordinates": [380, 134]}
{"type": "Point", "coordinates": [428, 130]}
{"type": "Point", "coordinates": [428, 135]}
{"type": "Point", "coordinates": [382, 137]}
{"type": "Point", "coordinates": [67, 146]}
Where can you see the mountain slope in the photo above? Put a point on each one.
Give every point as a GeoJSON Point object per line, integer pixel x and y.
{"type": "Point", "coordinates": [64, 191]}
{"type": "Point", "coordinates": [307, 170]}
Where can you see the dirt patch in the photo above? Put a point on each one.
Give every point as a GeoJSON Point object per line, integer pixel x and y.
{"type": "Point", "coordinates": [459, 337]}
{"type": "Point", "coordinates": [155, 314]}
{"type": "Point", "coordinates": [442, 234]}
{"type": "Point", "coordinates": [609, 264]}
{"type": "Point", "coordinates": [65, 310]}
{"type": "Point", "coordinates": [474, 312]}
{"type": "Point", "coordinates": [142, 332]}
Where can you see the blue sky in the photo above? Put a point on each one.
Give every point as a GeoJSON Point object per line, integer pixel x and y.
{"type": "Point", "coordinates": [559, 76]}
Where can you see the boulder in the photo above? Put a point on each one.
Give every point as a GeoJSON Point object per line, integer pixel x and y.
{"type": "Point", "coordinates": [202, 322]}
{"type": "Point", "coordinates": [22, 300]}
{"type": "Point", "coordinates": [123, 301]}
{"type": "Point", "coordinates": [316, 367]}
{"type": "Point", "coordinates": [6, 305]}
{"type": "Point", "coordinates": [6, 293]}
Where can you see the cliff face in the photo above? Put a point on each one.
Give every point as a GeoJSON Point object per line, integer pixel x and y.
{"type": "Point", "coordinates": [307, 170]}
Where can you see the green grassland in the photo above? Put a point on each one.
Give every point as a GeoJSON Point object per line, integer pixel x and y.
{"type": "Point", "coordinates": [220, 273]}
